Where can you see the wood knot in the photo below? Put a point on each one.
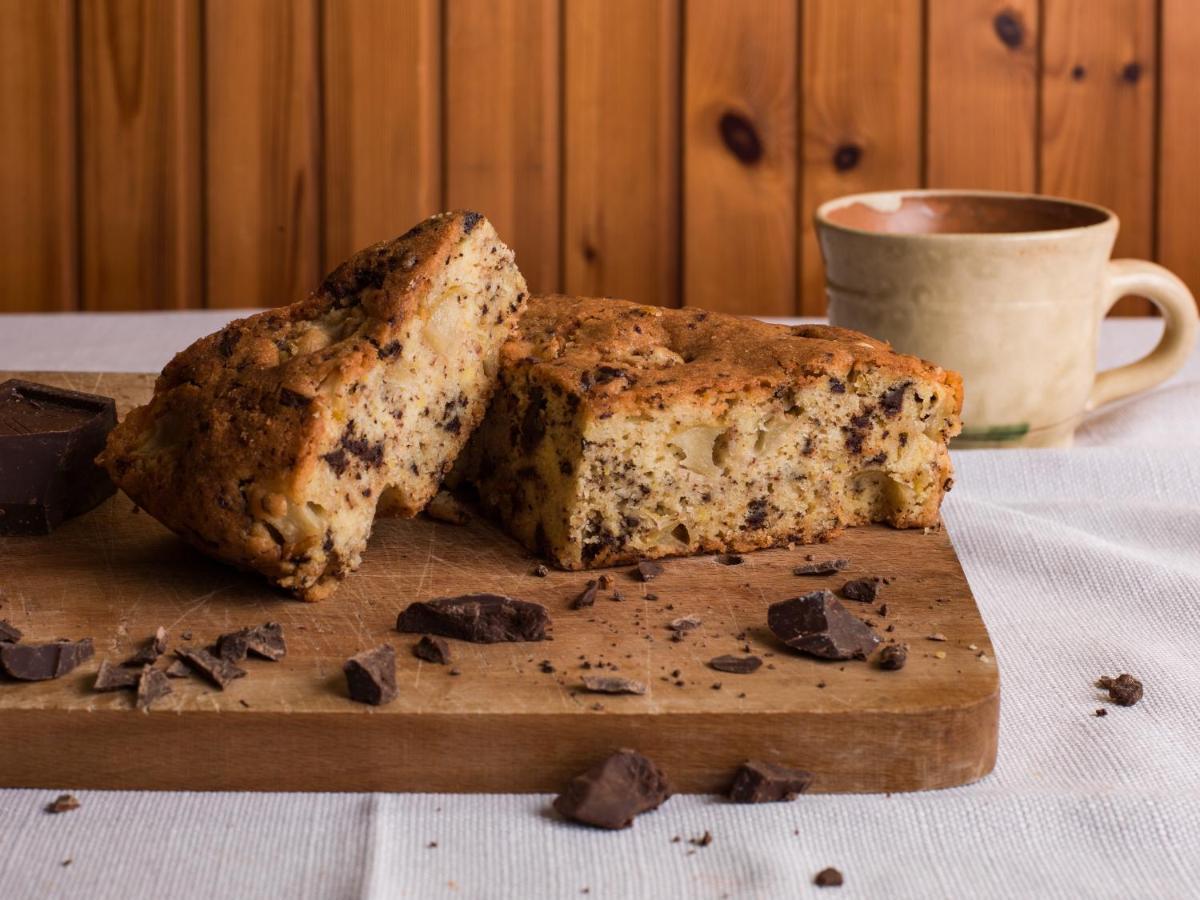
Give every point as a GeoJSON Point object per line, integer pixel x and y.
{"type": "Point", "coordinates": [589, 252]}
{"type": "Point", "coordinates": [1009, 29]}
{"type": "Point", "coordinates": [740, 138]}
{"type": "Point", "coordinates": [846, 157]}
{"type": "Point", "coordinates": [1078, 73]}
{"type": "Point", "coordinates": [1131, 73]}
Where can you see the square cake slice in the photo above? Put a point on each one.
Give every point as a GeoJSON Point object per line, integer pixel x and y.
{"type": "Point", "coordinates": [270, 443]}
{"type": "Point", "coordinates": [622, 432]}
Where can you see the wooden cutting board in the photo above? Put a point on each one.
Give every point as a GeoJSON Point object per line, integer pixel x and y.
{"type": "Point", "coordinates": [502, 724]}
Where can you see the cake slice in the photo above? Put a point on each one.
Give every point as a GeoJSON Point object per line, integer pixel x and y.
{"type": "Point", "coordinates": [622, 432]}
{"type": "Point", "coordinates": [270, 443]}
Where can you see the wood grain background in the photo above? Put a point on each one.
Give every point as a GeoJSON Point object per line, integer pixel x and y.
{"type": "Point", "coordinates": [225, 153]}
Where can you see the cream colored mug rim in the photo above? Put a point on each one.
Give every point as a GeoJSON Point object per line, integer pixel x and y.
{"type": "Point", "coordinates": [821, 216]}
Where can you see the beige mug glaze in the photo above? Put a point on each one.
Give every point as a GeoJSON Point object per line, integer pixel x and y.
{"type": "Point", "coordinates": [1007, 289]}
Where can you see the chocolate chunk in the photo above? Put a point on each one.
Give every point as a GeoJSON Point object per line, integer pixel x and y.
{"type": "Point", "coordinates": [219, 671]}
{"type": "Point", "coordinates": [613, 791]}
{"type": "Point", "coordinates": [432, 649]}
{"type": "Point", "coordinates": [1124, 690]}
{"type": "Point", "coordinates": [264, 641]}
{"type": "Point", "coordinates": [818, 624]}
{"type": "Point", "coordinates": [685, 623]}
{"type": "Point", "coordinates": [150, 651]}
{"type": "Point", "coordinates": [62, 803]}
{"type": "Point", "coordinates": [177, 669]}
{"type": "Point", "coordinates": [587, 597]}
{"type": "Point", "coordinates": [371, 676]}
{"type": "Point", "coordinates": [1101, 713]}
{"type": "Point", "coordinates": [736, 665]}
{"type": "Point", "coordinates": [830, 877]}
{"type": "Point", "coordinates": [41, 662]}
{"type": "Point", "coordinates": [152, 685]}
{"type": "Point", "coordinates": [9, 633]}
{"type": "Point", "coordinates": [540, 571]}
{"type": "Point", "coordinates": [864, 590]}
{"type": "Point", "coordinates": [764, 782]}
{"type": "Point", "coordinates": [648, 570]}
{"type": "Point", "coordinates": [891, 400]}
{"type": "Point", "coordinates": [612, 684]}
{"type": "Point", "coordinates": [893, 657]}
{"type": "Point", "coordinates": [49, 439]}
{"type": "Point", "coordinates": [730, 559]}
{"type": "Point", "coordinates": [824, 567]}
{"type": "Point", "coordinates": [479, 618]}
{"type": "Point", "coordinates": [115, 678]}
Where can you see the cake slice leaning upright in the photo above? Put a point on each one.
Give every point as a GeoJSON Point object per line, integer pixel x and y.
{"type": "Point", "coordinates": [270, 443]}
{"type": "Point", "coordinates": [621, 432]}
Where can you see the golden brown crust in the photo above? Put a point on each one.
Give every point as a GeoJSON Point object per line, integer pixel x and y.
{"type": "Point", "coordinates": [252, 427]}
{"type": "Point", "coordinates": [629, 357]}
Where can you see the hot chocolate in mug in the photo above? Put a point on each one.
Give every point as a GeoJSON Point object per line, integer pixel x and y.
{"type": "Point", "coordinates": [1008, 290]}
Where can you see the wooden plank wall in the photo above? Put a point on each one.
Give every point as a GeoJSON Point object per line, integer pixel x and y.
{"type": "Point", "coordinates": [225, 153]}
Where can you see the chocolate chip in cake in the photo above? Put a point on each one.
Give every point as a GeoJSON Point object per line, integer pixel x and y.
{"type": "Point", "coordinates": [648, 570]}
{"type": "Point", "coordinates": [893, 657]}
{"type": "Point", "coordinates": [9, 633]}
{"type": "Point", "coordinates": [1124, 690]}
{"type": "Point", "coordinates": [614, 791]}
{"type": "Point", "coordinates": [823, 567]}
{"type": "Point", "coordinates": [152, 686]}
{"type": "Point", "coordinates": [818, 624]}
{"type": "Point", "coordinates": [736, 665]}
{"type": "Point", "coordinates": [730, 559]}
{"type": "Point", "coordinates": [62, 803]}
{"type": "Point", "coordinates": [864, 590]}
{"type": "Point", "coordinates": [41, 662]}
{"type": "Point", "coordinates": [764, 782]}
{"type": "Point", "coordinates": [432, 650]}
{"type": "Point", "coordinates": [150, 651]}
{"type": "Point", "coordinates": [830, 877]}
{"type": "Point", "coordinates": [115, 678]}
{"type": "Point", "coordinates": [371, 676]}
{"type": "Point", "coordinates": [219, 671]}
{"type": "Point", "coordinates": [479, 618]}
{"type": "Point", "coordinates": [264, 641]}
{"type": "Point", "coordinates": [587, 597]}
{"type": "Point", "coordinates": [612, 684]}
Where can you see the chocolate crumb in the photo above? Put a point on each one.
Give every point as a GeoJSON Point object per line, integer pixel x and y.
{"type": "Point", "coordinates": [736, 665]}
{"type": "Point", "coordinates": [936, 636]}
{"type": "Point", "coordinates": [612, 684]}
{"type": "Point", "coordinates": [540, 571]}
{"type": "Point", "coordinates": [605, 582]}
{"type": "Point", "coordinates": [648, 570]}
{"type": "Point", "coordinates": [587, 597]}
{"type": "Point", "coordinates": [824, 567]}
{"type": "Point", "coordinates": [1101, 713]}
{"type": "Point", "coordinates": [456, 671]}
{"type": "Point", "coordinates": [1124, 690]}
{"type": "Point", "coordinates": [432, 650]}
{"type": "Point", "coordinates": [371, 676]}
{"type": "Point", "coordinates": [703, 841]}
{"type": "Point", "coordinates": [830, 877]}
{"type": "Point", "coordinates": [63, 803]}
{"type": "Point", "coordinates": [864, 590]}
{"type": "Point", "coordinates": [893, 657]}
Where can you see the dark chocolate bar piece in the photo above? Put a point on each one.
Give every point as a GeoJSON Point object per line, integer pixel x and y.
{"type": "Point", "coordinates": [479, 618]}
{"type": "Point", "coordinates": [41, 662]}
{"type": "Point", "coordinates": [764, 782]}
{"type": "Point", "coordinates": [115, 678]}
{"type": "Point", "coordinates": [818, 624]}
{"type": "Point", "coordinates": [264, 641]}
{"type": "Point", "coordinates": [49, 439]}
{"type": "Point", "coordinates": [736, 665]}
{"type": "Point", "coordinates": [613, 791]}
{"type": "Point", "coordinates": [152, 685]}
{"type": "Point", "coordinates": [371, 676]}
{"type": "Point", "coordinates": [9, 632]}
{"type": "Point", "coordinates": [150, 651]}
{"type": "Point", "coordinates": [219, 671]}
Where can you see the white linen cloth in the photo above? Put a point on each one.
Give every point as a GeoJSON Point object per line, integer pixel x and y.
{"type": "Point", "coordinates": [1084, 562]}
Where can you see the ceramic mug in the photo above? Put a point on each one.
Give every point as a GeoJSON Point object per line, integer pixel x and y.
{"type": "Point", "coordinates": [1007, 289]}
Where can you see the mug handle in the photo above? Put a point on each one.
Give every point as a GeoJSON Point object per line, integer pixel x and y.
{"type": "Point", "coordinates": [1146, 279]}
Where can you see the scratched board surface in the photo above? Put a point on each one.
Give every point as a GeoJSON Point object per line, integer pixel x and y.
{"type": "Point", "coordinates": [515, 717]}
